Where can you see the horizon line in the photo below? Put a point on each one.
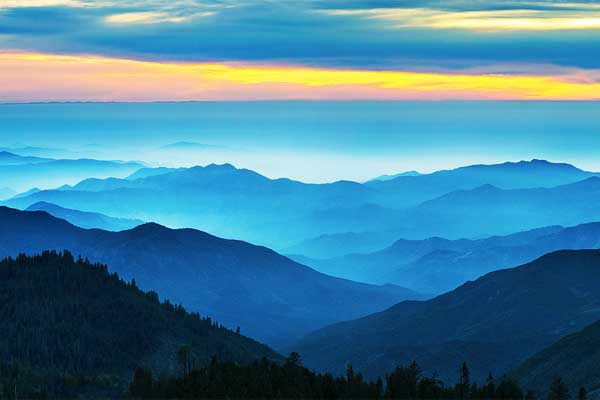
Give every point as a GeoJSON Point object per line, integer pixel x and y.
{"type": "Point", "coordinates": [276, 100]}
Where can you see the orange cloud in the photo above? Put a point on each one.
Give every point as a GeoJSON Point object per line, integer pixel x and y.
{"type": "Point", "coordinates": [49, 77]}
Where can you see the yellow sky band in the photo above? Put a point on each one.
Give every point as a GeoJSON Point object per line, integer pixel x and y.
{"type": "Point", "coordinates": [68, 74]}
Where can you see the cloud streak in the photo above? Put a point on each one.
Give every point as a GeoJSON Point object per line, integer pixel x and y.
{"type": "Point", "coordinates": [152, 17]}
{"type": "Point", "coordinates": [481, 21]}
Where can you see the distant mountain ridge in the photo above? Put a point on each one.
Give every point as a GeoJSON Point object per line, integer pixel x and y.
{"type": "Point", "coordinates": [507, 175]}
{"type": "Point", "coordinates": [269, 296]}
{"type": "Point", "coordinates": [413, 190]}
{"type": "Point", "coordinates": [436, 265]}
{"type": "Point", "coordinates": [230, 202]}
{"type": "Point", "coordinates": [39, 152]}
{"type": "Point", "coordinates": [394, 176]}
{"type": "Point", "coordinates": [281, 213]}
{"type": "Point", "coordinates": [8, 158]}
{"type": "Point", "coordinates": [340, 244]}
{"type": "Point", "coordinates": [147, 172]}
{"type": "Point", "coordinates": [494, 323]}
{"type": "Point", "coordinates": [465, 213]}
{"type": "Point", "coordinates": [22, 173]}
{"type": "Point", "coordinates": [84, 219]}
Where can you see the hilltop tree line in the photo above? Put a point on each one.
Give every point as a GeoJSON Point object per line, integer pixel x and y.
{"type": "Point", "coordinates": [290, 380]}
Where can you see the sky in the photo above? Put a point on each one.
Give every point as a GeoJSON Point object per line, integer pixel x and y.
{"type": "Point", "coordinates": [311, 141]}
{"type": "Point", "coordinates": [179, 50]}
{"type": "Point", "coordinates": [316, 90]}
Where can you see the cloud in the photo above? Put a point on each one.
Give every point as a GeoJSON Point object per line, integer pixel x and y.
{"type": "Point", "coordinates": [458, 5]}
{"type": "Point", "coordinates": [152, 17]}
{"type": "Point", "coordinates": [482, 21]}
{"type": "Point", "coordinates": [422, 36]}
{"type": "Point", "coordinates": [40, 3]}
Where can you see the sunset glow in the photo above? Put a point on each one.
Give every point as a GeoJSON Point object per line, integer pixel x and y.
{"type": "Point", "coordinates": [44, 77]}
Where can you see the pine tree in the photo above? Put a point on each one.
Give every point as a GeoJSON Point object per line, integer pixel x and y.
{"type": "Point", "coordinates": [294, 359]}
{"type": "Point", "coordinates": [184, 358]}
{"type": "Point", "coordinates": [464, 382]}
{"type": "Point", "coordinates": [490, 387]}
{"type": "Point", "coordinates": [558, 390]}
{"type": "Point", "coordinates": [141, 386]}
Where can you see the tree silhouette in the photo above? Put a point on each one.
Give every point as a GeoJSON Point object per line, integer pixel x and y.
{"type": "Point", "coordinates": [558, 390]}
{"type": "Point", "coordinates": [464, 382]}
{"type": "Point", "coordinates": [184, 356]}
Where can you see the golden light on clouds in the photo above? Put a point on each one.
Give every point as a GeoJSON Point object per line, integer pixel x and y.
{"type": "Point", "coordinates": [45, 77]}
{"type": "Point", "coordinates": [489, 20]}
{"type": "Point", "coordinates": [152, 17]}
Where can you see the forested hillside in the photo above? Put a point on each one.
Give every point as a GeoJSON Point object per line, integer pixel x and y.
{"type": "Point", "coordinates": [69, 326]}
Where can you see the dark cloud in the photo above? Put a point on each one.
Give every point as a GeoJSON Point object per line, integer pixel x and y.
{"type": "Point", "coordinates": [41, 20]}
{"type": "Point", "coordinates": [293, 32]}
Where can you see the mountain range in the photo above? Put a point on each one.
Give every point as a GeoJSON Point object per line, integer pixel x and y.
{"type": "Point", "coordinates": [282, 213]}
{"type": "Point", "coordinates": [8, 158]}
{"type": "Point", "coordinates": [40, 152]}
{"type": "Point", "coordinates": [394, 176]}
{"type": "Point", "coordinates": [493, 323]}
{"type": "Point", "coordinates": [22, 173]}
{"type": "Point", "coordinates": [220, 199]}
{"type": "Point", "coordinates": [363, 303]}
{"type": "Point", "coordinates": [437, 265]}
{"type": "Point", "coordinates": [271, 297]}
{"type": "Point", "coordinates": [87, 220]}
{"type": "Point", "coordinates": [339, 244]}
{"type": "Point", "coordinates": [467, 213]}
{"type": "Point", "coordinates": [413, 190]}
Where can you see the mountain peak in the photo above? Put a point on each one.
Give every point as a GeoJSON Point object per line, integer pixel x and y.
{"type": "Point", "coordinates": [534, 163]}
{"type": "Point", "coordinates": [538, 161]}
{"type": "Point", "coordinates": [39, 204]}
{"type": "Point", "coordinates": [225, 166]}
{"type": "Point", "coordinates": [150, 228]}
{"type": "Point", "coordinates": [7, 155]}
{"type": "Point", "coordinates": [545, 163]}
{"type": "Point", "coordinates": [394, 176]}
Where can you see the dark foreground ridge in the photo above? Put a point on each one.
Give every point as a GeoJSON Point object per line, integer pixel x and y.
{"type": "Point", "coordinates": [494, 323]}
{"type": "Point", "coordinates": [69, 327]}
